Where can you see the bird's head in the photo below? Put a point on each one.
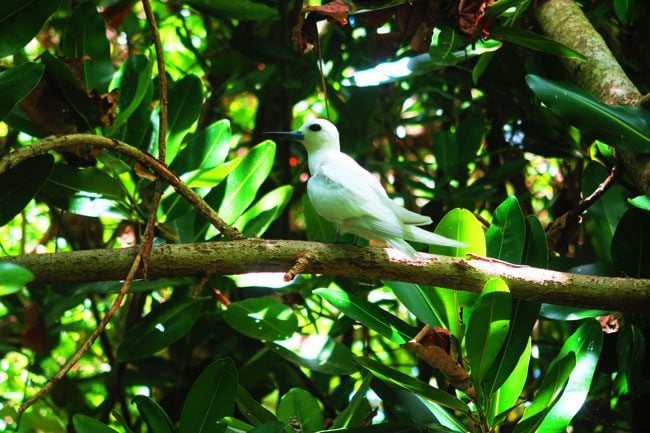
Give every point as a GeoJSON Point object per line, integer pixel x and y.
{"type": "Point", "coordinates": [317, 134]}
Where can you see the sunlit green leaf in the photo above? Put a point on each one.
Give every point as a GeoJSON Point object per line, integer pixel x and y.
{"type": "Point", "coordinates": [86, 424]}
{"type": "Point", "coordinates": [641, 201]}
{"type": "Point", "coordinates": [626, 128]}
{"type": "Point", "coordinates": [206, 149]}
{"type": "Point", "coordinates": [185, 100]}
{"type": "Point", "coordinates": [259, 217]}
{"type": "Point", "coordinates": [264, 318]}
{"type": "Point", "coordinates": [134, 79]}
{"type": "Point", "coordinates": [211, 398]}
{"type": "Point", "coordinates": [487, 328]}
{"type": "Point", "coordinates": [13, 277]}
{"type": "Point", "coordinates": [16, 83]}
{"type": "Point", "coordinates": [506, 235]}
{"type": "Point", "coordinates": [404, 381]}
{"type": "Point", "coordinates": [298, 407]}
{"type": "Point", "coordinates": [368, 314]}
{"type": "Point", "coordinates": [505, 397]}
{"type": "Point", "coordinates": [20, 184]}
{"type": "Point", "coordinates": [20, 21]}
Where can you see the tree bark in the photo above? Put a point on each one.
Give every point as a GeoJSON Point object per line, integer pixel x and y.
{"type": "Point", "coordinates": [258, 255]}
{"type": "Point", "coordinates": [600, 74]}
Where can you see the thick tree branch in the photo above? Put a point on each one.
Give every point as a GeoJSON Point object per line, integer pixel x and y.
{"type": "Point", "coordinates": [74, 140]}
{"type": "Point", "coordinates": [258, 255]}
{"type": "Point", "coordinates": [600, 74]}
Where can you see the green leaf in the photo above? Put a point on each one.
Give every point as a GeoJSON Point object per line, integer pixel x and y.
{"type": "Point", "coordinates": [535, 248]}
{"type": "Point", "coordinates": [211, 398]}
{"type": "Point", "coordinates": [561, 312]}
{"type": "Point", "coordinates": [318, 228]}
{"type": "Point", "coordinates": [271, 427]}
{"type": "Point", "coordinates": [243, 182]}
{"type": "Point", "coordinates": [346, 416]}
{"type": "Point", "coordinates": [316, 353]}
{"type": "Point", "coordinates": [534, 41]}
{"type": "Point", "coordinates": [21, 183]}
{"type": "Point", "coordinates": [71, 180]}
{"type": "Point", "coordinates": [406, 382]}
{"type": "Point", "coordinates": [503, 398]}
{"type": "Point", "coordinates": [20, 21]}
{"type": "Point", "coordinates": [460, 224]}
{"type": "Point", "coordinates": [631, 244]}
{"type": "Point", "coordinates": [506, 236]}
{"type": "Point", "coordinates": [166, 324]}
{"type": "Point", "coordinates": [586, 343]}
{"type": "Point", "coordinates": [86, 424]}
{"type": "Point", "coordinates": [418, 300]}
{"type": "Point", "coordinates": [13, 277]}
{"type": "Point", "coordinates": [134, 80]}
{"type": "Point", "coordinates": [487, 328]}
{"type": "Point", "coordinates": [300, 409]}
{"type": "Point", "coordinates": [368, 314]}
{"type": "Point", "coordinates": [241, 9]}
{"type": "Point", "coordinates": [16, 83]}
{"type": "Point", "coordinates": [206, 149]}
{"type": "Point", "coordinates": [626, 128]}
{"type": "Point", "coordinates": [153, 415]}
{"type": "Point", "coordinates": [264, 318]}
{"type": "Point", "coordinates": [631, 349]}
{"type": "Point", "coordinates": [85, 36]}
{"type": "Point", "coordinates": [253, 411]}
{"type": "Point", "coordinates": [623, 10]}
{"type": "Point", "coordinates": [256, 220]}
{"type": "Point", "coordinates": [550, 391]}
{"type": "Point", "coordinates": [640, 201]}
{"type": "Point", "coordinates": [185, 100]}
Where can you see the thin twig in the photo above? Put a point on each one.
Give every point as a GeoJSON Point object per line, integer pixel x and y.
{"type": "Point", "coordinates": [299, 267]}
{"type": "Point", "coordinates": [74, 140]}
{"type": "Point", "coordinates": [614, 175]}
{"type": "Point", "coordinates": [162, 77]}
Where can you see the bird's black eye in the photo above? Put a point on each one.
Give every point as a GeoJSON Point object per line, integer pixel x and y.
{"type": "Point", "coordinates": [315, 127]}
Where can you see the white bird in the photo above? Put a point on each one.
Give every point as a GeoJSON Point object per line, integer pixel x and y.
{"type": "Point", "coordinates": [346, 194]}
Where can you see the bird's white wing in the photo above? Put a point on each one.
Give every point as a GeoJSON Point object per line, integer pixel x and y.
{"type": "Point", "coordinates": [340, 189]}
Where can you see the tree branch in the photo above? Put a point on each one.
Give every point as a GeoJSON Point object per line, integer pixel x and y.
{"type": "Point", "coordinates": [258, 255]}
{"type": "Point", "coordinates": [600, 74]}
{"type": "Point", "coordinates": [74, 140]}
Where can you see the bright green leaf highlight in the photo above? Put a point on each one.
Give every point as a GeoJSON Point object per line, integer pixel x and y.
{"type": "Point", "coordinates": [13, 277]}
{"type": "Point", "coordinates": [264, 318]}
{"type": "Point", "coordinates": [298, 407]}
{"type": "Point", "coordinates": [316, 353]}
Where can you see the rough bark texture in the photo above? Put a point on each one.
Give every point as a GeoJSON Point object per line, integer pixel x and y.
{"type": "Point", "coordinates": [258, 255]}
{"type": "Point", "coordinates": [601, 74]}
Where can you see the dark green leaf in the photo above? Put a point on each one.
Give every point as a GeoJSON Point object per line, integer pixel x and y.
{"type": "Point", "coordinates": [418, 300]}
{"type": "Point", "coordinates": [404, 381]}
{"type": "Point", "coordinates": [253, 411]}
{"type": "Point", "coordinates": [164, 325]}
{"type": "Point", "coordinates": [300, 409]}
{"type": "Point", "coordinates": [134, 81]}
{"type": "Point", "coordinates": [535, 248]}
{"type": "Point", "coordinates": [185, 101]}
{"type": "Point", "coordinates": [623, 10]}
{"type": "Point", "coordinates": [264, 318]}
{"type": "Point", "coordinates": [586, 343]}
{"type": "Point", "coordinates": [13, 277]}
{"type": "Point", "coordinates": [86, 424]}
{"type": "Point", "coordinates": [487, 328]}
{"type": "Point", "coordinates": [631, 349]}
{"type": "Point", "coordinates": [316, 353]}
{"type": "Point", "coordinates": [368, 314]}
{"type": "Point", "coordinates": [561, 312]}
{"type": "Point", "coordinates": [554, 383]}
{"type": "Point", "coordinates": [241, 9]}
{"type": "Point", "coordinates": [20, 21]}
{"type": "Point", "coordinates": [626, 128]}
{"type": "Point", "coordinates": [507, 233]}
{"type": "Point", "coordinates": [211, 398]}
{"type": "Point", "coordinates": [206, 149]}
{"type": "Point", "coordinates": [631, 244]}
{"type": "Point", "coordinates": [502, 399]}
{"type": "Point", "coordinates": [271, 427]}
{"type": "Point", "coordinates": [74, 180]}
{"type": "Point", "coordinates": [20, 184]}
{"type": "Point", "coordinates": [346, 416]}
{"type": "Point", "coordinates": [16, 83]}
{"type": "Point", "coordinates": [85, 37]}
{"type": "Point", "coordinates": [153, 415]}
{"type": "Point", "coordinates": [534, 41]}
{"type": "Point", "coordinates": [256, 220]}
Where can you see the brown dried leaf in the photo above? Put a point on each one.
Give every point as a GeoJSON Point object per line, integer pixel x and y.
{"type": "Point", "coordinates": [611, 323]}
{"type": "Point", "coordinates": [35, 335]}
{"type": "Point", "coordinates": [305, 33]}
{"type": "Point", "coordinates": [470, 18]}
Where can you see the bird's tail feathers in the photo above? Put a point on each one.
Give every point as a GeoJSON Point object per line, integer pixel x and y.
{"type": "Point", "coordinates": [403, 246]}
{"type": "Point", "coordinates": [408, 217]}
{"type": "Point", "coordinates": [417, 234]}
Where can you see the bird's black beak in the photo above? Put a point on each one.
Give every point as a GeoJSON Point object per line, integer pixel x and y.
{"type": "Point", "coordinates": [291, 135]}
